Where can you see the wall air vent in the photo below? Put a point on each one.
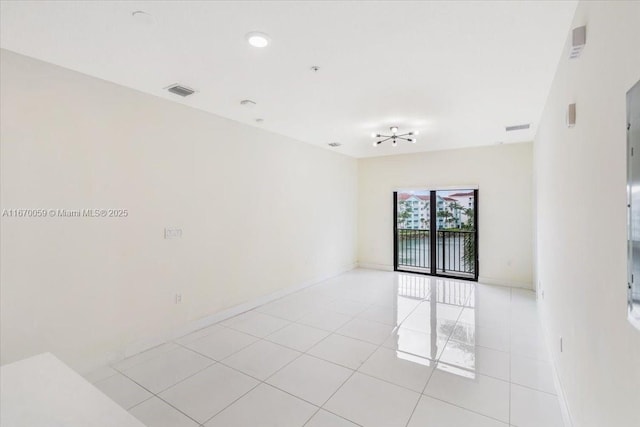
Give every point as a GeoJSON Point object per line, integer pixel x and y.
{"type": "Point", "coordinates": [180, 90]}
{"type": "Point", "coordinates": [517, 127]}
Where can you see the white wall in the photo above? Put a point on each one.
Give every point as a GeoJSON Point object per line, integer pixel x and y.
{"type": "Point", "coordinates": [259, 213]}
{"type": "Point", "coordinates": [581, 220]}
{"type": "Point", "coordinates": [503, 176]}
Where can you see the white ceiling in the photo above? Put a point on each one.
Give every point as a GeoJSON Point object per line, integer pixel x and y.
{"type": "Point", "coordinates": [458, 72]}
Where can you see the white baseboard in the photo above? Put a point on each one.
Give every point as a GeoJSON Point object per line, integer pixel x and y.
{"type": "Point", "coordinates": [481, 279]}
{"type": "Point", "coordinates": [562, 399]}
{"type": "Point", "coordinates": [146, 344]}
{"type": "Point", "coordinates": [564, 407]}
{"type": "Point", "coordinates": [507, 283]}
{"type": "Point", "coordinates": [374, 266]}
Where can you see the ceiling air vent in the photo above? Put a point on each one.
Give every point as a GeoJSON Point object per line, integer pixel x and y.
{"type": "Point", "coordinates": [517, 127]}
{"type": "Point", "coordinates": [180, 90]}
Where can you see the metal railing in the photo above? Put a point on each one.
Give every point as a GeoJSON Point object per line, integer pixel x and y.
{"type": "Point", "coordinates": [455, 250]}
{"type": "Point", "coordinates": [414, 248]}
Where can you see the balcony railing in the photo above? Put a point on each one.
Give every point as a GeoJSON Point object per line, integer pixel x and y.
{"type": "Point", "coordinates": [455, 251]}
{"type": "Point", "coordinates": [414, 248]}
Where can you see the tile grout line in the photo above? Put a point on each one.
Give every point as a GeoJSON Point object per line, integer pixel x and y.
{"type": "Point", "coordinates": [351, 376]}
{"type": "Point", "coordinates": [467, 409]}
{"type": "Point", "coordinates": [157, 395]}
{"type": "Point", "coordinates": [330, 332]}
{"type": "Point", "coordinates": [510, 321]}
{"type": "Point", "coordinates": [169, 404]}
{"type": "Point", "coordinates": [378, 346]}
{"type": "Point", "coordinates": [395, 328]}
{"type": "Point", "coordinates": [284, 366]}
{"type": "Point", "coordinates": [260, 381]}
{"type": "Point", "coordinates": [322, 407]}
{"type": "Point", "coordinates": [435, 364]}
{"type": "Point", "coordinates": [180, 345]}
{"type": "Point", "coordinates": [257, 379]}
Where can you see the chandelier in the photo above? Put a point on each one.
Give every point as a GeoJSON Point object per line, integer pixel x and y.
{"type": "Point", "coordinates": [394, 137]}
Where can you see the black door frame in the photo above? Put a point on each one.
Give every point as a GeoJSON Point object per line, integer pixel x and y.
{"type": "Point", "coordinates": [433, 242]}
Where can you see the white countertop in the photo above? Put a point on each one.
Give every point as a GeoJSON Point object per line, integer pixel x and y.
{"type": "Point", "coordinates": [41, 391]}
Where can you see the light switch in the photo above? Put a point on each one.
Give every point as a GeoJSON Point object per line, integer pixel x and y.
{"type": "Point", "coordinates": [173, 233]}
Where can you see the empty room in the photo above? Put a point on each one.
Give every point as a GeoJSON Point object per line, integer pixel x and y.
{"type": "Point", "coordinates": [319, 213]}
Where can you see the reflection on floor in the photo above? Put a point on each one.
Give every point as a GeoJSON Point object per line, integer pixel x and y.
{"type": "Point", "coordinates": [365, 348]}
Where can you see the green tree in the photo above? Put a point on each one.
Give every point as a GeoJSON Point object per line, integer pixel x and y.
{"type": "Point", "coordinates": [455, 209]}
{"type": "Point", "coordinates": [469, 224]}
{"type": "Point", "coordinates": [446, 215]}
{"type": "Point", "coordinates": [469, 242]}
{"type": "Point", "coordinates": [405, 212]}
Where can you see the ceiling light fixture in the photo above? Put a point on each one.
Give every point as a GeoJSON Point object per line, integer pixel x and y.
{"type": "Point", "coordinates": [394, 137]}
{"type": "Point", "coordinates": [258, 39]}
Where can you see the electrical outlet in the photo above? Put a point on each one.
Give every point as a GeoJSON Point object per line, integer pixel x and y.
{"type": "Point", "coordinates": [178, 298]}
{"type": "Point", "coordinates": [172, 233]}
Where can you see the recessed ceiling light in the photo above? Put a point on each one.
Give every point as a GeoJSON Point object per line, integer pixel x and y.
{"type": "Point", "coordinates": [258, 39]}
{"type": "Point", "coordinates": [315, 68]}
{"type": "Point", "coordinates": [142, 17]}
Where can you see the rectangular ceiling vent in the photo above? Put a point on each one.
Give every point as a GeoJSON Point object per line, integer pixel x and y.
{"type": "Point", "coordinates": [518, 127]}
{"type": "Point", "coordinates": [180, 90]}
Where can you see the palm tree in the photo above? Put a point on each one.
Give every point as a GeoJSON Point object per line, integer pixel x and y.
{"type": "Point", "coordinates": [446, 215]}
{"type": "Point", "coordinates": [470, 224]}
{"type": "Point", "coordinates": [404, 213]}
{"type": "Point", "coordinates": [455, 208]}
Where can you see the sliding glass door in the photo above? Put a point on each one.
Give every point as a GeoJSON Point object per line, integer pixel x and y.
{"type": "Point", "coordinates": [413, 231]}
{"type": "Point", "coordinates": [435, 232]}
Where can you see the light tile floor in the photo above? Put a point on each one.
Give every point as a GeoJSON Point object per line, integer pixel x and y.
{"type": "Point", "coordinates": [366, 348]}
